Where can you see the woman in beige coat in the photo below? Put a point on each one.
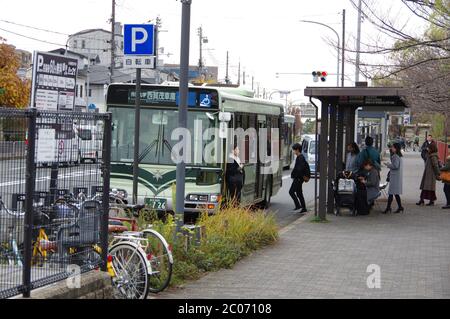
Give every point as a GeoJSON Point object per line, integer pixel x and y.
{"type": "Point", "coordinates": [430, 176]}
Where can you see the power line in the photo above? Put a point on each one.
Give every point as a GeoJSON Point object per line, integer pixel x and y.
{"type": "Point", "coordinates": [45, 30]}
{"type": "Point", "coordinates": [31, 38]}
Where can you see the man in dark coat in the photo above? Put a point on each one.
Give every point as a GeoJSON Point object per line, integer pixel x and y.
{"type": "Point", "coordinates": [424, 152]}
{"type": "Point", "coordinates": [300, 171]}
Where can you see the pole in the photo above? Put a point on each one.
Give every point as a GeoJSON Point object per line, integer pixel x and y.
{"type": "Point", "coordinates": [106, 169]}
{"type": "Point", "coordinates": [29, 190]}
{"type": "Point", "coordinates": [183, 110]}
{"type": "Point", "coordinates": [113, 40]}
{"type": "Point", "coordinates": [88, 83]}
{"type": "Point", "coordinates": [323, 160]}
{"type": "Point", "coordinates": [358, 61]}
{"type": "Point", "coordinates": [343, 49]}
{"type": "Point", "coordinates": [137, 131]}
{"type": "Point", "coordinates": [200, 61]}
{"type": "Point", "coordinates": [239, 74]}
{"type": "Point", "coordinates": [227, 77]}
{"type": "Point", "coordinates": [358, 41]}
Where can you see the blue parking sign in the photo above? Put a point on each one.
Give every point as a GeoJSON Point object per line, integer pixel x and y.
{"type": "Point", "coordinates": [139, 39]}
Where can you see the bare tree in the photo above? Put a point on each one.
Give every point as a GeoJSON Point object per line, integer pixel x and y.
{"type": "Point", "coordinates": [418, 62]}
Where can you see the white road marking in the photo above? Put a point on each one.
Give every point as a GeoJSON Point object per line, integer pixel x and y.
{"type": "Point", "coordinates": [46, 178]}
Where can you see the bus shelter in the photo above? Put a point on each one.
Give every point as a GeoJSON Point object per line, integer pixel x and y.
{"type": "Point", "coordinates": [337, 125]}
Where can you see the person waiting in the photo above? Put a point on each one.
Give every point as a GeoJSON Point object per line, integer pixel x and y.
{"type": "Point", "coordinates": [431, 174]}
{"type": "Point", "coordinates": [395, 178]}
{"type": "Point", "coordinates": [446, 182]}
{"type": "Point", "coordinates": [352, 155]}
{"type": "Point", "coordinates": [369, 153]}
{"type": "Point", "coordinates": [235, 176]}
{"type": "Point", "coordinates": [370, 177]}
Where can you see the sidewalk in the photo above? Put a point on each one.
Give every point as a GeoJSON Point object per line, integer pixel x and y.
{"type": "Point", "coordinates": [330, 260]}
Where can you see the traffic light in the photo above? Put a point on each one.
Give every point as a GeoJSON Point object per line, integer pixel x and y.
{"type": "Point", "coordinates": [320, 75]}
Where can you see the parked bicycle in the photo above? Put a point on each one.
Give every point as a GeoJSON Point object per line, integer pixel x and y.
{"type": "Point", "coordinates": [139, 263]}
{"type": "Point", "coordinates": [11, 235]}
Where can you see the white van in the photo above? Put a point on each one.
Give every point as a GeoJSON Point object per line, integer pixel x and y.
{"type": "Point", "coordinates": [309, 145]}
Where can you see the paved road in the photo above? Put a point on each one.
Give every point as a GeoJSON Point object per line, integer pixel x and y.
{"type": "Point", "coordinates": [282, 204]}
{"type": "Point", "coordinates": [12, 178]}
{"type": "Point", "coordinates": [331, 260]}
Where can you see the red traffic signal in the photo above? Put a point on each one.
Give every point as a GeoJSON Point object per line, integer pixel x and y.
{"type": "Point", "coordinates": [322, 75]}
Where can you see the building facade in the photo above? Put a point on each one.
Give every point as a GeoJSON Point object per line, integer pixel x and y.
{"type": "Point", "coordinates": [96, 43]}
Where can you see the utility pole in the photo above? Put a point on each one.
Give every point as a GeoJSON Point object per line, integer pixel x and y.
{"type": "Point", "coordinates": [227, 77]}
{"type": "Point", "coordinates": [244, 77]}
{"type": "Point", "coordinates": [358, 62]}
{"type": "Point", "coordinates": [358, 41]}
{"type": "Point", "coordinates": [239, 74]}
{"type": "Point", "coordinates": [113, 41]}
{"type": "Point", "coordinates": [343, 49]}
{"type": "Point", "coordinates": [202, 40]}
{"type": "Point", "coordinates": [158, 28]}
{"type": "Point", "coordinates": [183, 108]}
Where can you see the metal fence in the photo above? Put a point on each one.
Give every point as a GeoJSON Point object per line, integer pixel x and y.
{"type": "Point", "coordinates": [54, 196]}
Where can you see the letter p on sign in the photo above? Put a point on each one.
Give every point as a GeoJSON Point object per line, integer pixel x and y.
{"type": "Point", "coordinates": [139, 39]}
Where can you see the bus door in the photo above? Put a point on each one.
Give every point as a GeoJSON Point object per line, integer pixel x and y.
{"type": "Point", "coordinates": [260, 178]}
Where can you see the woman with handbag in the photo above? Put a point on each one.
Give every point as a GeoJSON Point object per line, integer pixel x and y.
{"type": "Point", "coordinates": [395, 178]}
{"type": "Point", "coordinates": [300, 174]}
{"type": "Point", "coordinates": [445, 177]}
{"type": "Point", "coordinates": [430, 176]}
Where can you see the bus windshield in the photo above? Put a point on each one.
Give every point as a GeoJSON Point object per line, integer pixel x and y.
{"type": "Point", "coordinates": [155, 143]}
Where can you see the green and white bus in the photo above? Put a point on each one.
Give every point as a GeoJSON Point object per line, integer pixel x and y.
{"type": "Point", "coordinates": [213, 108]}
{"type": "Point", "coordinates": [288, 139]}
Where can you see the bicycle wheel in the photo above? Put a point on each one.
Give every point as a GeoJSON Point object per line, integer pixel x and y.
{"type": "Point", "coordinates": [129, 264]}
{"type": "Point", "coordinates": [161, 261]}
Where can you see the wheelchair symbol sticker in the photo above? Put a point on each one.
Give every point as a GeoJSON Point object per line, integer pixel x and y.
{"type": "Point", "coordinates": [205, 101]}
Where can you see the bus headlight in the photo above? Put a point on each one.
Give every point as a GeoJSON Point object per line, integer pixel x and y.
{"type": "Point", "coordinates": [193, 198]}
{"type": "Point", "coordinates": [215, 198]}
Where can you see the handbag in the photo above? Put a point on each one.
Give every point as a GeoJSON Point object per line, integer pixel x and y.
{"type": "Point", "coordinates": [445, 177]}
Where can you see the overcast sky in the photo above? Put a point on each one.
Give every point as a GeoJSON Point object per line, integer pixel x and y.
{"type": "Point", "coordinates": [266, 36]}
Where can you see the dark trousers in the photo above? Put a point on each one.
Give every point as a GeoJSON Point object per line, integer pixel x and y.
{"type": "Point", "coordinates": [235, 190]}
{"type": "Point", "coordinates": [296, 193]}
{"type": "Point", "coordinates": [447, 193]}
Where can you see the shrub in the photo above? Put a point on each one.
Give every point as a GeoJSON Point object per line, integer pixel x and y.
{"type": "Point", "coordinates": [230, 235]}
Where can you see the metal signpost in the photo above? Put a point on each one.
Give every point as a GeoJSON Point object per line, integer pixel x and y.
{"type": "Point", "coordinates": [183, 111]}
{"type": "Point", "coordinates": [139, 53]}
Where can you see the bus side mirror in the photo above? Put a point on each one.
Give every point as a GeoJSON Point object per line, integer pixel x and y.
{"type": "Point", "coordinates": [225, 117]}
